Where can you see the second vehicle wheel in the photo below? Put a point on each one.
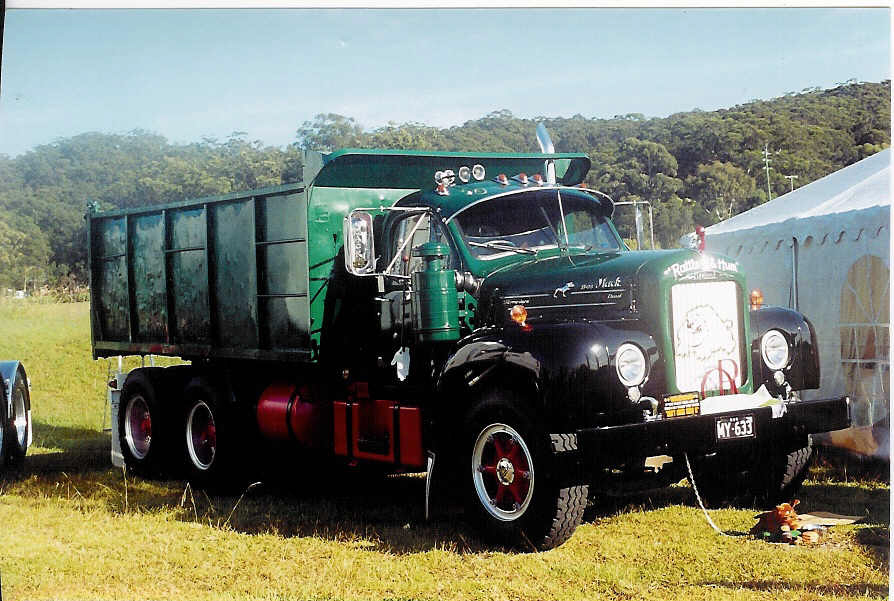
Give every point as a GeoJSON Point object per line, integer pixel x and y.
{"type": "Point", "coordinates": [208, 441]}
{"type": "Point", "coordinates": [18, 431]}
{"type": "Point", "coordinates": [512, 489]}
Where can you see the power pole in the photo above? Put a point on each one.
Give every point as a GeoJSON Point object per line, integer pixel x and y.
{"type": "Point", "coordinates": [791, 179]}
{"type": "Point", "coordinates": [766, 154]}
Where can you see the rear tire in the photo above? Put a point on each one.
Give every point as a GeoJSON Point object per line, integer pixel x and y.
{"type": "Point", "coordinates": [511, 489]}
{"type": "Point", "coordinates": [144, 424]}
{"type": "Point", "coordinates": [208, 437]}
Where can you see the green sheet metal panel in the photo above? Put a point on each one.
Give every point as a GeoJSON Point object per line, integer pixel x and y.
{"type": "Point", "coordinates": [414, 169]}
{"type": "Point", "coordinates": [284, 314]}
{"type": "Point", "coordinates": [216, 277]}
{"type": "Point", "coordinates": [234, 274]}
{"type": "Point", "coordinates": [109, 262]}
{"type": "Point", "coordinates": [146, 237]}
{"type": "Point", "coordinates": [327, 208]}
{"type": "Point", "coordinates": [188, 276]}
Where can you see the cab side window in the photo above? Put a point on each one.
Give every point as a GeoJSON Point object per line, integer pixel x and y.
{"type": "Point", "coordinates": [426, 232]}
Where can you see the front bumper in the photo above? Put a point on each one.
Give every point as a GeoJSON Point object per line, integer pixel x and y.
{"type": "Point", "coordinates": [698, 434]}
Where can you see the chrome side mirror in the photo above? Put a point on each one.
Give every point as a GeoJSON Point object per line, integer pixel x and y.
{"type": "Point", "coordinates": [360, 252]}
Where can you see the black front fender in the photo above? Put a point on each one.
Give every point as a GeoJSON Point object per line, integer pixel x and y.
{"type": "Point", "coordinates": [565, 370]}
{"type": "Point", "coordinates": [803, 369]}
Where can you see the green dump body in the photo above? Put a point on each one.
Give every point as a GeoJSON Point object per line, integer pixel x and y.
{"type": "Point", "coordinates": [244, 275]}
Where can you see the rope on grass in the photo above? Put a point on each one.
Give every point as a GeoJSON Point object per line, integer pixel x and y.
{"type": "Point", "coordinates": [698, 497]}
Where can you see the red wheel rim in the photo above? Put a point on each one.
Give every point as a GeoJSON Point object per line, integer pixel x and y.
{"type": "Point", "coordinates": [502, 472]}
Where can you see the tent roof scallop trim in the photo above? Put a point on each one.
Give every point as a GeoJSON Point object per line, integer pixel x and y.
{"type": "Point", "coordinates": [847, 204]}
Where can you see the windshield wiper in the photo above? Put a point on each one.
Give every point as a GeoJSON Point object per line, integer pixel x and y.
{"type": "Point", "coordinates": [499, 245]}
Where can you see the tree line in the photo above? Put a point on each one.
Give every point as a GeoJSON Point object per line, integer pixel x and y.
{"type": "Point", "coordinates": [695, 167]}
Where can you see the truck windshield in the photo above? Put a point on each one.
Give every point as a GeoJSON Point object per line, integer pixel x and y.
{"type": "Point", "coordinates": [526, 222]}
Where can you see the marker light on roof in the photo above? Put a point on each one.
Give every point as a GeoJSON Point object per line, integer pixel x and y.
{"type": "Point", "coordinates": [523, 178]}
{"type": "Point", "coordinates": [503, 179]}
{"type": "Point", "coordinates": [464, 174]}
{"type": "Point", "coordinates": [478, 172]}
{"type": "Point", "coordinates": [538, 179]}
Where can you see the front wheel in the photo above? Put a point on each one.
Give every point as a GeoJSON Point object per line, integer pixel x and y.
{"type": "Point", "coordinates": [512, 490]}
{"type": "Point", "coordinates": [772, 477]}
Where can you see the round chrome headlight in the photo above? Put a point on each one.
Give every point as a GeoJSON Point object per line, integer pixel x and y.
{"type": "Point", "coordinates": [630, 364]}
{"type": "Point", "coordinates": [774, 349]}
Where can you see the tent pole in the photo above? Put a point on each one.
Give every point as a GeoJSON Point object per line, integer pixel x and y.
{"type": "Point", "coordinates": [795, 274]}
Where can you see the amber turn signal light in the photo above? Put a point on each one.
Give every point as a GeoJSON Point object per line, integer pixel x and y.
{"type": "Point", "coordinates": [519, 315]}
{"type": "Point", "coordinates": [757, 299]}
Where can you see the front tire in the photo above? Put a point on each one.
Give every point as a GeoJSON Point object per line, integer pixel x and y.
{"type": "Point", "coordinates": [781, 474]}
{"type": "Point", "coordinates": [512, 490]}
{"type": "Point", "coordinates": [774, 477]}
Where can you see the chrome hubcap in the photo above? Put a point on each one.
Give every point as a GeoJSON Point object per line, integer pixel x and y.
{"type": "Point", "coordinates": [505, 471]}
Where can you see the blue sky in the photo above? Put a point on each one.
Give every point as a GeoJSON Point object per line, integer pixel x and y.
{"type": "Point", "coordinates": [191, 73]}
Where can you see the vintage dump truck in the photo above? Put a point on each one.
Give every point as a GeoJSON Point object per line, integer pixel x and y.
{"type": "Point", "coordinates": [15, 414]}
{"type": "Point", "coordinates": [472, 315]}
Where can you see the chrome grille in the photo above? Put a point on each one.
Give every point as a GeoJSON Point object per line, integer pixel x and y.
{"type": "Point", "coordinates": [706, 339]}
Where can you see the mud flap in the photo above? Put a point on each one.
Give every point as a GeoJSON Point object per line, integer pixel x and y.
{"type": "Point", "coordinates": [114, 406]}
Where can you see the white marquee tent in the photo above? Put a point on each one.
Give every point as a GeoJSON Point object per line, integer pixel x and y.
{"type": "Point", "coordinates": [824, 249]}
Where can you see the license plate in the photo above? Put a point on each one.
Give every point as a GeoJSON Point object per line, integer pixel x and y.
{"type": "Point", "coordinates": [735, 426]}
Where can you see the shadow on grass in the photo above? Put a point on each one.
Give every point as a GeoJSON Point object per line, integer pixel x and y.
{"type": "Point", "coordinates": [62, 448]}
{"type": "Point", "coordinates": [817, 588]}
{"type": "Point", "coordinates": [871, 502]}
{"type": "Point", "coordinates": [304, 496]}
{"type": "Point", "coordinates": [877, 542]}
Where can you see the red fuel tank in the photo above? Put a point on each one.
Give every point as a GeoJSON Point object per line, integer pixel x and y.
{"type": "Point", "coordinates": [286, 412]}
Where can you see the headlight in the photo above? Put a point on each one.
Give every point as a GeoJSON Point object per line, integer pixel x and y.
{"type": "Point", "coordinates": [774, 349]}
{"type": "Point", "coordinates": [630, 364]}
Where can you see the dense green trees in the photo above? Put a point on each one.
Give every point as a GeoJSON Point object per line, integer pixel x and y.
{"type": "Point", "coordinates": [694, 167]}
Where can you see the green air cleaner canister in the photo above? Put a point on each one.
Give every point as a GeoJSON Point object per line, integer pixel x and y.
{"type": "Point", "coordinates": [435, 306]}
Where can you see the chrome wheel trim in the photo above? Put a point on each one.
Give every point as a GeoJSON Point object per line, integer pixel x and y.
{"type": "Point", "coordinates": [20, 419]}
{"type": "Point", "coordinates": [489, 503]}
{"type": "Point", "coordinates": [201, 437]}
{"type": "Point", "coordinates": [138, 427]}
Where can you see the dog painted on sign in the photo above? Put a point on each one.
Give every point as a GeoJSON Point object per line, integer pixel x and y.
{"type": "Point", "coordinates": [704, 335]}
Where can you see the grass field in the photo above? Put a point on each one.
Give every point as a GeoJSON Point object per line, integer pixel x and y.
{"type": "Point", "coordinates": [75, 528]}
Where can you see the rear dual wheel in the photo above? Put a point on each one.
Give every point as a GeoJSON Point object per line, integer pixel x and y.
{"type": "Point", "coordinates": [208, 436]}
{"type": "Point", "coordinates": [145, 424]}
{"type": "Point", "coordinates": [171, 424]}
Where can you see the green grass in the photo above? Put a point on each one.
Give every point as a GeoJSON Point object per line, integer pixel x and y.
{"type": "Point", "coordinates": [75, 528]}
